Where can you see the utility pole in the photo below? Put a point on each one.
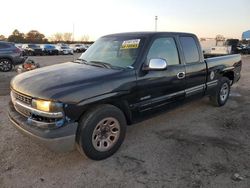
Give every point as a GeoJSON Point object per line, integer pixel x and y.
{"type": "Point", "coordinates": [73, 34]}
{"type": "Point", "coordinates": [156, 18]}
{"type": "Point", "coordinates": [73, 38]}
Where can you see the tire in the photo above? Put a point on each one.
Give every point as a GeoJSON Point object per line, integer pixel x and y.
{"type": "Point", "coordinates": [30, 53]}
{"type": "Point", "coordinates": [5, 65]}
{"type": "Point", "coordinates": [101, 132]}
{"type": "Point", "coordinates": [221, 94]}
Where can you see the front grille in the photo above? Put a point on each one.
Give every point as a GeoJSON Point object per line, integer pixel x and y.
{"type": "Point", "coordinates": [22, 110]}
{"type": "Point", "coordinates": [22, 98]}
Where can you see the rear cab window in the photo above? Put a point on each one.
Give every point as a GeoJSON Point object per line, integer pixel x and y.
{"type": "Point", "coordinates": [190, 49]}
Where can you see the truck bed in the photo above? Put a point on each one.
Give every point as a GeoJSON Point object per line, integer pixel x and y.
{"type": "Point", "coordinates": [228, 63]}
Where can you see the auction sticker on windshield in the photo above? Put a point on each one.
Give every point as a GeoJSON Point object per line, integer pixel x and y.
{"type": "Point", "coordinates": [128, 44]}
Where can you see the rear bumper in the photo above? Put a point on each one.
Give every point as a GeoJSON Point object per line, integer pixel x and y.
{"type": "Point", "coordinates": [66, 52]}
{"type": "Point", "coordinates": [51, 52]}
{"type": "Point", "coordinates": [60, 139]}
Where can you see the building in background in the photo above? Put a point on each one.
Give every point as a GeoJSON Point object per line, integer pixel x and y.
{"type": "Point", "coordinates": [246, 35]}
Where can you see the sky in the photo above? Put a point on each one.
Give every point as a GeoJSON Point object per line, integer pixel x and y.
{"type": "Point", "coordinates": [96, 18]}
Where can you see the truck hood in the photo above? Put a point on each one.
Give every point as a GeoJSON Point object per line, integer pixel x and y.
{"type": "Point", "coordinates": [66, 82]}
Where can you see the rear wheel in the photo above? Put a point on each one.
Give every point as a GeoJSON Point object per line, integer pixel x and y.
{"type": "Point", "coordinates": [30, 53]}
{"type": "Point", "coordinates": [101, 132]}
{"type": "Point", "coordinates": [5, 65]}
{"type": "Point", "coordinates": [221, 94]}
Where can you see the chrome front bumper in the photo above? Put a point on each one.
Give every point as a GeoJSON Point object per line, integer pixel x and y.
{"type": "Point", "coordinates": [60, 139]}
{"type": "Point", "coordinates": [38, 112]}
{"type": "Point", "coordinates": [38, 118]}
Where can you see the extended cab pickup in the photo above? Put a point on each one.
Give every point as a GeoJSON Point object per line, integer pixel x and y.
{"type": "Point", "coordinates": [89, 102]}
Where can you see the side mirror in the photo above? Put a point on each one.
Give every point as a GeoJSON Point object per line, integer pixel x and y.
{"type": "Point", "coordinates": [156, 64]}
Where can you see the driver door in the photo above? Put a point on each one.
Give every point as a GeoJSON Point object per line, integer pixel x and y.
{"type": "Point", "coordinates": [159, 87]}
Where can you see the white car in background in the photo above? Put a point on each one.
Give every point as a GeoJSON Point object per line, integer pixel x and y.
{"type": "Point", "coordinates": [78, 47]}
{"type": "Point", "coordinates": [64, 50]}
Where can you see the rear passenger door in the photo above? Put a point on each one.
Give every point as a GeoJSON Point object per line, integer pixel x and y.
{"type": "Point", "coordinates": [196, 71]}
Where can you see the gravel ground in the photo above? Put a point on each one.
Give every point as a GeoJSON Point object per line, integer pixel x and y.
{"type": "Point", "coordinates": [195, 145]}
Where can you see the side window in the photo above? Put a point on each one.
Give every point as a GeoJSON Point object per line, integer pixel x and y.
{"type": "Point", "coordinates": [164, 48]}
{"type": "Point", "coordinates": [2, 46]}
{"type": "Point", "coordinates": [190, 49]}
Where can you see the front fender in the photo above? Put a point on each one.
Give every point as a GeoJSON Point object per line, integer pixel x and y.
{"type": "Point", "coordinates": [75, 111]}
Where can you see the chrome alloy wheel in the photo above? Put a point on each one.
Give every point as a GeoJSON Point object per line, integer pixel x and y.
{"type": "Point", "coordinates": [106, 134]}
{"type": "Point", "coordinates": [224, 91]}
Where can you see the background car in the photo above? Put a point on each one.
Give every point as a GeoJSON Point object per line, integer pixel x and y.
{"type": "Point", "coordinates": [246, 49]}
{"type": "Point", "coordinates": [10, 55]}
{"type": "Point", "coordinates": [49, 49]}
{"type": "Point", "coordinates": [78, 47]}
{"type": "Point", "coordinates": [64, 50]}
{"type": "Point", "coordinates": [87, 45]}
{"type": "Point", "coordinates": [61, 44]}
{"type": "Point", "coordinates": [32, 49]}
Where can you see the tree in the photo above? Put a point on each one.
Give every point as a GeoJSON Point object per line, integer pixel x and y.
{"type": "Point", "coordinates": [61, 37]}
{"type": "Point", "coordinates": [219, 38]}
{"type": "Point", "coordinates": [67, 37]}
{"type": "Point", "coordinates": [16, 36]}
{"type": "Point", "coordinates": [35, 36]}
{"type": "Point", "coordinates": [85, 38]}
{"type": "Point", "coordinates": [2, 37]}
{"type": "Point", "coordinates": [57, 37]}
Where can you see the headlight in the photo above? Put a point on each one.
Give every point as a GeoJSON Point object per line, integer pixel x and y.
{"type": "Point", "coordinates": [47, 106]}
{"type": "Point", "coordinates": [43, 105]}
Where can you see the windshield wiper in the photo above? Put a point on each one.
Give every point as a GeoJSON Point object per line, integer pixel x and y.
{"type": "Point", "coordinates": [92, 63]}
{"type": "Point", "coordinates": [98, 64]}
{"type": "Point", "coordinates": [107, 65]}
{"type": "Point", "coordinates": [81, 61]}
{"type": "Point", "coordinates": [101, 64]}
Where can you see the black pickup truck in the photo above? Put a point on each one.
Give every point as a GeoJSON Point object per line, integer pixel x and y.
{"type": "Point", "coordinates": [89, 102]}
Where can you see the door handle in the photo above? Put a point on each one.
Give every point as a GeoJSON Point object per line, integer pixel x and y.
{"type": "Point", "coordinates": [181, 75]}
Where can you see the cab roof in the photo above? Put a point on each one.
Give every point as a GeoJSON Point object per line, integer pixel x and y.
{"type": "Point", "coordinates": [147, 34]}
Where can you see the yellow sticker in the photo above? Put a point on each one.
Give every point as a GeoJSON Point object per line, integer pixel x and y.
{"type": "Point", "coordinates": [128, 44]}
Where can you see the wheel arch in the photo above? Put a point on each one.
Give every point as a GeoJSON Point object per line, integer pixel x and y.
{"type": "Point", "coordinates": [7, 57]}
{"type": "Point", "coordinates": [120, 104]}
{"type": "Point", "coordinates": [229, 75]}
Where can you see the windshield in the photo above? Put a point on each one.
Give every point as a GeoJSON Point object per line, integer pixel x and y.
{"type": "Point", "coordinates": [232, 42]}
{"type": "Point", "coordinates": [116, 51]}
{"type": "Point", "coordinates": [65, 47]}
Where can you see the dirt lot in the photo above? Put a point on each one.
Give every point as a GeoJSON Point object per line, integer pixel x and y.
{"type": "Point", "coordinates": [196, 145]}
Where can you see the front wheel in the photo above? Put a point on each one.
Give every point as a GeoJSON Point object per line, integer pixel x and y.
{"type": "Point", "coordinates": [5, 65]}
{"type": "Point", "coordinates": [101, 132]}
{"type": "Point", "coordinates": [221, 94]}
